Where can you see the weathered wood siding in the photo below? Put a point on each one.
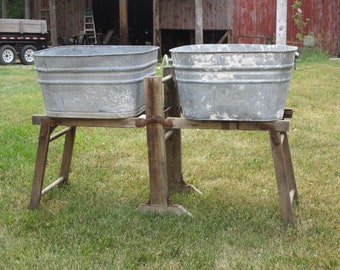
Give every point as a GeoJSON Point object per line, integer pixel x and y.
{"type": "Point", "coordinates": [217, 15]}
{"type": "Point", "coordinates": [255, 20]}
{"type": "Point", "coordinates": [70, 15]}
{"type": "Point", "coordinates": [180, 14]}
{"type": "Point", "coordinates": [22, 26]}
{"type": "Point", "coordinates": [324, 23]}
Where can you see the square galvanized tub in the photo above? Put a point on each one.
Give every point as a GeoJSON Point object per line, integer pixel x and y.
{"type": "Point", "coordinates": [94, 81]}
{"type": "Point", "coordinates": [236, 82]}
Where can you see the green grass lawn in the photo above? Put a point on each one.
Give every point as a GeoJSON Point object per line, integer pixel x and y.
{"type": "Point", "coordinates": [92, 223]}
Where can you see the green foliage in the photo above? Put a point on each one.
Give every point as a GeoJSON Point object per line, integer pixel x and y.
{"type": "Point", "coordinates": [313, 54]}
{"type": "Point", "coordinates": [299, 20]}
{"type": "Point", "coordinates": [15, 9]}
{"type": "Point", "coordinates": [92, 222]}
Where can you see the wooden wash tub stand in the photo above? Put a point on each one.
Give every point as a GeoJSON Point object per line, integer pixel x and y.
{"type": "Point", "coordinates": [163, 129]}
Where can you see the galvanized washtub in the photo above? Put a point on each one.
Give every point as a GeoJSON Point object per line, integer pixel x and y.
{"type": "Point", "coordinates": [239, 82]}
{"type": "Point", "coordinates": [94, 81]}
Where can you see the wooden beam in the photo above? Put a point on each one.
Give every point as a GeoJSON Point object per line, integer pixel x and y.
{"type": "Point", "coordinates": [123, 22]}
{"type": "Point", "coordinates": [40, 165]}
{"type": "Point", "coordinates": [281, 22]}
{"type": "Point", "coordinates": [27, 9]}
{"type": "Point", "coordinates": [174, 143]}
{"type": "Point", "coordinates": [132, 122]}
{"type": "Point", "coordinates": [181, 123]}
{"type": "Point", "coordinates": [226, 37]}
{"type": "Point", "coordinates": [156, 23]}
{"type": "Point", "coordinates": [67, 153]}
{"type": "Point", "coordinates": [282, 181]}
{"type": "Point", "coordinates": [53, 23]}
{"type": "Point", "coordinates": [198, 22]}
{"type": "Point", "coordinates": [159, 201]}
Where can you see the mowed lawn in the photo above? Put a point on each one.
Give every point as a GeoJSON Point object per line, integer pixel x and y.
{"type": "Point", "coordinates": [92, 223]}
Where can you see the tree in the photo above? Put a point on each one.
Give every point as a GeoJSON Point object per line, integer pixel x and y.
{"type": "Point", "coordinates": [4, 8]}
{"type": "Point", "coordinates": [15, 9]}
{"type": "Point", "coordinates": [27, 9]}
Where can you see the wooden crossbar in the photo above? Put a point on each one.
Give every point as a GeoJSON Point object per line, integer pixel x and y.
{"type": "Point", "coordinates": [131, 122]}
{"type": "Point", "coordinates": [60, 133]}
{"type": "Point", "coordinates": [54, 184]}
{"type": "Point", "coordinates": [181, 123]}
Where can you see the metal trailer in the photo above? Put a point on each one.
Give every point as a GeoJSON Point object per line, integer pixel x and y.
{"type": "Point", "coordinates": [19, 37]}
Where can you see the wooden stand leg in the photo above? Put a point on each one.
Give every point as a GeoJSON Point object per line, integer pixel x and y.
{"type": "Point", "coordinates": [289, 169]}
{"type": "Point", "coordinates": [67, 153]}
{"type": "Point", "coordinates": [40, 165]}
{"type": "Point", "coordinates": [159, 194]}
{"type": "Point", "coordinates": [282, 179]}
{"type": "Point", "coordinates": [174, 142]}
{"type": "Point", "coordinates": [45, 138]}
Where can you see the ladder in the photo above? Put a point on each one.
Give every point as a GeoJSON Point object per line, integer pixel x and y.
{"type": "Point", "coordinates": [90, 35]}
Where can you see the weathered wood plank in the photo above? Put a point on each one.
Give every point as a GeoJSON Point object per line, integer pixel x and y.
{"type": "Point", "coordinates": [282, 182]}
{"type": "Point", "coordinates": [289, 168]}
{"type": "Point", "coordinates": [181, 123]}
{"type": "Point", "coordinates": [40, 165]}
{"type": "Point", "coordinates": [133, 122]}
{"type": "Point", "coordinates": [174, 143]}
{"type": "Point", "coordinates": [67, 153]}
{"type": "Point", "coordinates": [159, 194]}
{"type": "Point", "coordinates": [198, 22]}
{"type": "Point", "coordinates": [123, 22]}
{"type": "Point", "coordinates": [216, 15]}
{"type": "Point", "coordinates": [23, 26]}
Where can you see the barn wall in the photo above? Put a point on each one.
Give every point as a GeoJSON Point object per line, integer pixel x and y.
{"type": "Point", "coordinates": [180, 15]}
{"type": "Point", "coordinates": [217, 15]}
{"type": "Point", "coordinates": [255, 20]}
{"type": "Point", "coordinates": [70, 15]}
{"type": "Point", "coordinates": [324, 23]}
{"type": "Point", "coordinates": [177, 14]}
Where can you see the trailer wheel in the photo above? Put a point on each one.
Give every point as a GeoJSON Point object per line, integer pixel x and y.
{"type": "Point", "coordinates": [8, 55]}
{"type": "Point", "coordinates": [26, 54]}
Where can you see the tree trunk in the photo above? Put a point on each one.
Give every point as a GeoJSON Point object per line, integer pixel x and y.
{"type": "Point", "coordinates": [27, 9]}
{"type": "Point", "coordinates": [53, 23]}
{"type": "Point", "coordinates": [4, 9]}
